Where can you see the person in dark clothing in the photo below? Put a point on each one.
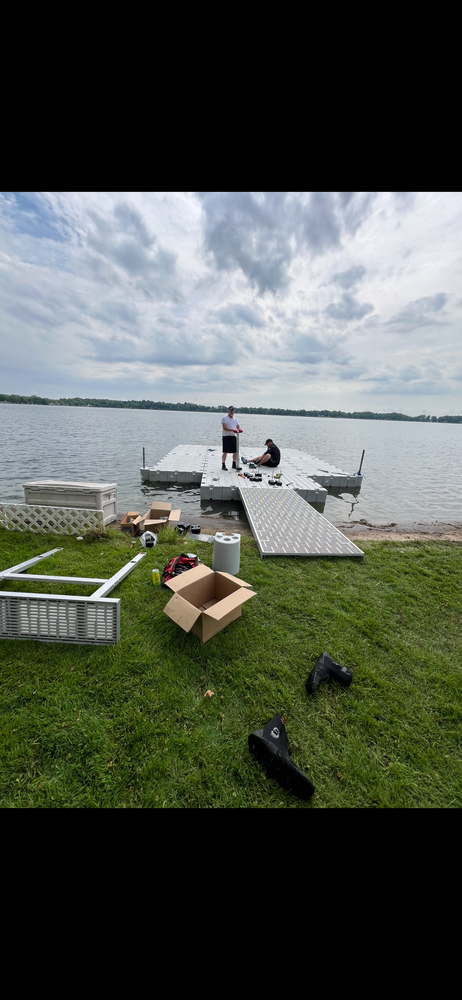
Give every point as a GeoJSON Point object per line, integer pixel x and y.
{"type": "Point", "coordinates": [271, 458]}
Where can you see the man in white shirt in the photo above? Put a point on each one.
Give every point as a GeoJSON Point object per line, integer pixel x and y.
{"type": "Point", "coordinates": [231, 429]}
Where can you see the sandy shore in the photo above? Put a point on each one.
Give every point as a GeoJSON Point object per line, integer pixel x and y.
{"type": "Point", "coordinates": [434, 531]}
{"type": "Point", "coordinates": [359, 531]}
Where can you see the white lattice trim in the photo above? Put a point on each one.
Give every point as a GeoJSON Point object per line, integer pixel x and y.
{"type": "Point", "coordinates": [55, 520]}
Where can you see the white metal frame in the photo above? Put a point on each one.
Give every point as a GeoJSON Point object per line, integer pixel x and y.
{"type": "Point", "coordinates": [91, 620]}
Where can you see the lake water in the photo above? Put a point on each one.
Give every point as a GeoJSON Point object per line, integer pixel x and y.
{"type": "Point", "coordinates": [412, 471]}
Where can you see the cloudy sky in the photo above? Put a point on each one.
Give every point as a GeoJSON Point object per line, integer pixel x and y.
{"type": "Point", "coordinates": [347, 301]}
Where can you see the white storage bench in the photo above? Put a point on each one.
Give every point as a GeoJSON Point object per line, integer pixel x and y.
{"type": "Point", "coordinates": [87, 496]}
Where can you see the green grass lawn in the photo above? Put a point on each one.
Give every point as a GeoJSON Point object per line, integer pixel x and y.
{"type": "Point", "coordinates": [128, 725]}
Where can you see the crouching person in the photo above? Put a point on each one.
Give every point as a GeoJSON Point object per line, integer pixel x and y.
{"type": "Point", "coordinates": [271, 457]}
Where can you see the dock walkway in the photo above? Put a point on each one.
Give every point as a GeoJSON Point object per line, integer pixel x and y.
{"type": "Point", "coordinates": [285, 525]}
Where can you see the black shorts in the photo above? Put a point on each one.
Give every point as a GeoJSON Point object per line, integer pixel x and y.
{"type": "Point", "coordinates": [271, 465]}
{"type": "Point", "coordinates": [229, 444]}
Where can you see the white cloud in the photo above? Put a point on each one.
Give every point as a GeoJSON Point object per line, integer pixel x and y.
{"type": "Point", "coordinates": [311, 299]}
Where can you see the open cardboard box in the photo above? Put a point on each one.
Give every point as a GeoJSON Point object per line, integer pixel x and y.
{"type": "Point", "coordinates": [130, 522]}
{"type": "Point", "coordinates": [205, 602]}
{"type": "Point", "coordinates": [159, 515]}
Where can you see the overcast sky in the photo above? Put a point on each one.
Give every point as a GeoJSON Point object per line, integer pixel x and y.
{"type": "Point", "coordinates": [347, 301]}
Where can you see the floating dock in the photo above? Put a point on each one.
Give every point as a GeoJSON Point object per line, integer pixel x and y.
{"type": "Point", "coordinates": [201, 464]}
{"type": "Point", "coordinates": [285, 519]}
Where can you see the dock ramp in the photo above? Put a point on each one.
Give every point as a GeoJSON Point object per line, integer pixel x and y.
{"type": "Point", "coordinates": [283, 524]}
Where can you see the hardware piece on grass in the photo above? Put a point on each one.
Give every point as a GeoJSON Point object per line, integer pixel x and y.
{"type": "Point", "coordinates": [148, 539]}
{"type": "Point", "coordinates": [325, 668]}
{"type": "Point", "coordinates": [271, 747]}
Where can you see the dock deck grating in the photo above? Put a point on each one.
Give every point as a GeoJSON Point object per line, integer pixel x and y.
{"type": "Point", "coordinates": [285, 525]}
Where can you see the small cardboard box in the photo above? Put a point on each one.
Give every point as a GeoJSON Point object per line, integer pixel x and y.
{"type": "Point", "coordinates": [160, 515]}
{"type": "Point", "coordinates": [130, 522]}
{"type": "Point", "coordinates": [205, 602]}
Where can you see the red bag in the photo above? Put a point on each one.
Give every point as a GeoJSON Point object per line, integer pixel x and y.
{"type": "Point", "coordinates": [177, 565]}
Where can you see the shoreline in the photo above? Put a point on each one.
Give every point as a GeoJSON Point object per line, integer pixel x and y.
{"type": "Point", "coordinates": [400, 531]}
{"type": "Point", "coordinates": [430, 531]}
{"type": "Point", "coordinates": [362, 530]}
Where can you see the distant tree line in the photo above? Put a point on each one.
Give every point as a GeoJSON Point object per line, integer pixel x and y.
{"type": "Point", "coordinates": [148, 404]}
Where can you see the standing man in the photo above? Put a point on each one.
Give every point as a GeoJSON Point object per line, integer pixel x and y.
{"type": "Point", "coordinates": [231, 429]}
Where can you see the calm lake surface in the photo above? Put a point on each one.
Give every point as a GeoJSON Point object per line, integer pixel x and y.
{"type": "Point", "coordinates": [412, 471]}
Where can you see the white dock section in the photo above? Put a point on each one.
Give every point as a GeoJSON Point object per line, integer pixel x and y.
{"type": "Point", "coordinates": [285, 525]}
{"type": "Point", "coordinates": [298, 463]}
{"type": "Point", "coordinates": [184, 464]}
{"type": "Point", "coordinates": [219, 485]}
{"type": "Point", "coordinates": [230, 487]}
{"type": "Point", "coordinates": [201, 464]}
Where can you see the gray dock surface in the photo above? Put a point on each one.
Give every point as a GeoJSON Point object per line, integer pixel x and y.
{"type": "Point", "coordinates": [201, 464]}
{"type": "Point", "coordinates": [283, 524]}
{"type": "Point", "coordinates": [285, 519]}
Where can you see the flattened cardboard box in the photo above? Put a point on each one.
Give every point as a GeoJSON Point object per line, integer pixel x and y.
{"type": "Point", "coordinates": [205, 602]}
{"type": "Point", "coordinates": [159, 515]}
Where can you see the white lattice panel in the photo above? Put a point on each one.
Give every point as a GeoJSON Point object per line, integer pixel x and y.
{"type": "Point", "coordinates": [45, 520]}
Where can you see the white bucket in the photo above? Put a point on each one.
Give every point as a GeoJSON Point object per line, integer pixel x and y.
{"type": "Point", "coordinates": [226, 553]}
